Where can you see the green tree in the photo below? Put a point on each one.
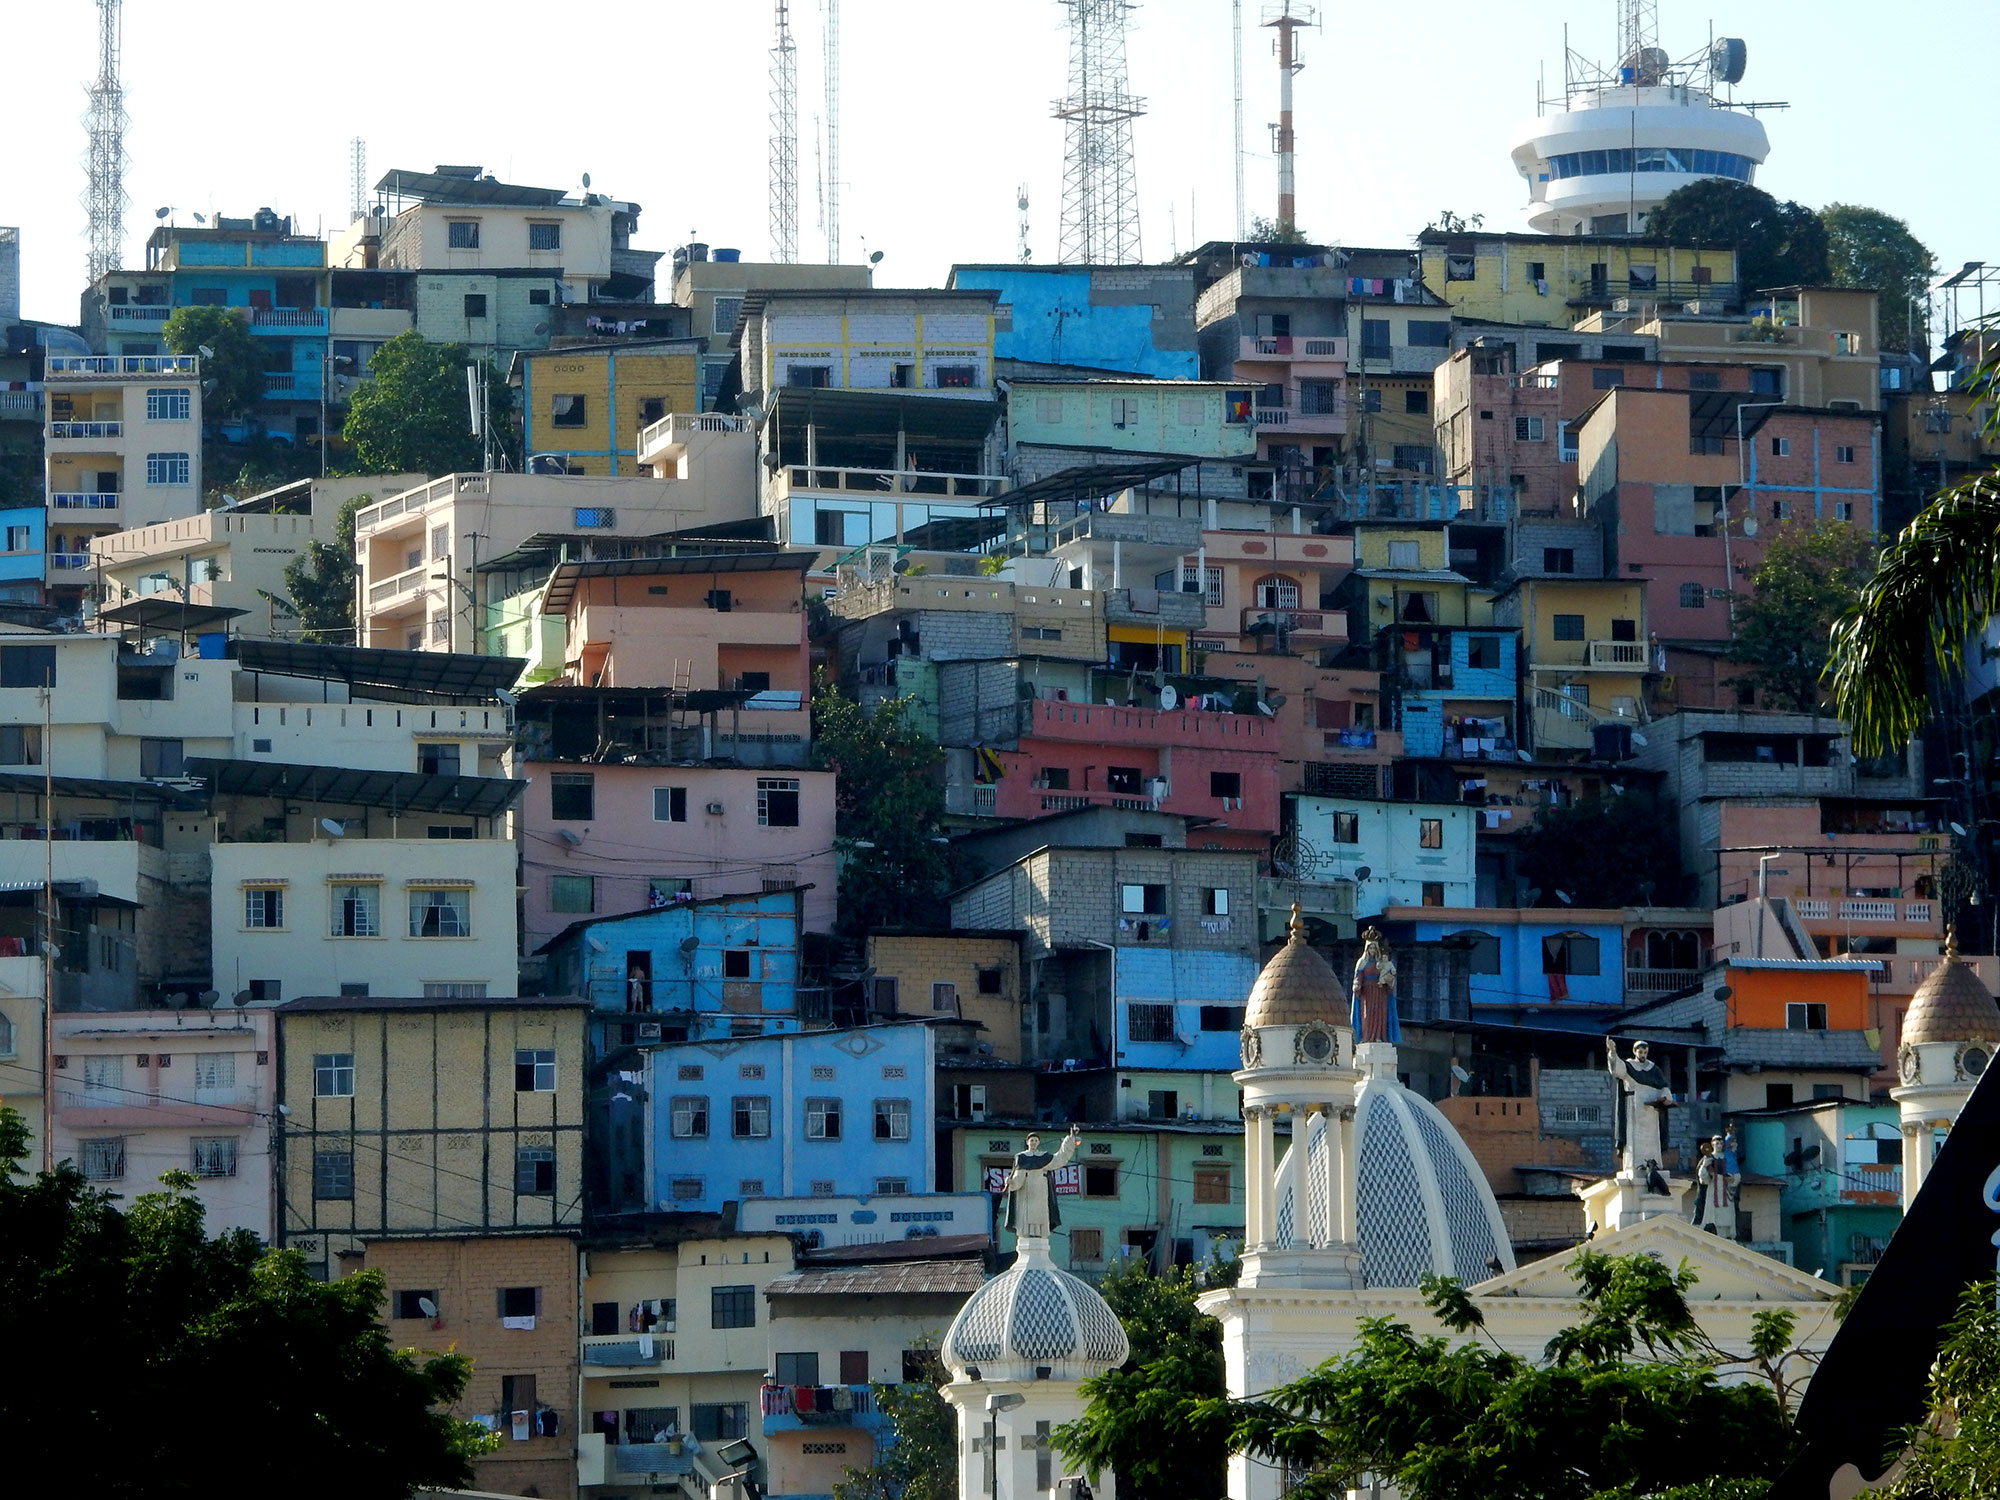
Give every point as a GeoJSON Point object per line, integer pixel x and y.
{"type": "Point", "coordinates": [1153, 1422]}
{"type": "Point", "coordinates": [1954, 1453]}
{"type": "Point", "coordinates": [232, 372]}
{"type": "Point", "coordinates": [1620, 850]}
{"type": "Point", "coordinates": [320, 583]}
{"type": "Point", "coordinates": [1777, 244]}
{"type": "Point", "coordinates": [1811, 575]}
{"type": "Point", "coordinates": [1448, 222]}
{"type": "Point", "coordinates": [921, 1459]}
{"type": "Point", "coordinates": [1265, 231]}
{"type": "Point", "coordinates": [411, 414]}
{"type": "Point", "coordinates": [316, 1399]}
{"type": "Point", "coordinates": [1934, 588]}
{"type": "Point", "coordinates": [896, 864]}
{"type": "Point", "coordinates": [1629, 1402]}
{"type": "Point", "coordinates": [1868, 248]}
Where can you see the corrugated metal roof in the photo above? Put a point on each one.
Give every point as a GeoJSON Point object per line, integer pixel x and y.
{"type": "Point", "coordinates": [929, 1278]}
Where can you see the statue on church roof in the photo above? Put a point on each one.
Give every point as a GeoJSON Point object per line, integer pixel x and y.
{"type": "Point", "coordinates": [1645, 1099]}
{"type": "Point", "coordinates": [1031, 1202]}
{"type": "Point", "coordinates": [1372, 997]}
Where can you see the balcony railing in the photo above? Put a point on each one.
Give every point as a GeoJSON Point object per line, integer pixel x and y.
{"type": "Point", "coordinates": [394, 588]}
{"type": "Point", "coordinates": [288, 317]}
{"type": "Point", "coordinates": [86, 429]}
{"type": "Point", "coordinates": [1628, 654]}
{"type": "Point", "coordinates": [675, 428]}
{"type": "Point", "coordinates": [280, 382]}
{"type": "Point", "coordinates": [21, 403]}
{"type": "Point", "coordinates": [1658, 981]}
{"type": "Point", "coordinates": [140, 312]}
{"type": "Point", "coordinates": [894, 482]}
{"type": "Point", "coordinates": [89, 365]}
{"type": "Point", "coordinates": [1871, 1182]}
{"type": "Point", "coordinates": [1297, 624]}
{"type": "Point", "coordinates": [633, 1349]}
{"type": "Point", "coordinates": [412, 501]}
{"type": "Point", "coordinates": [68, 561]}
{"type": "Point", "coordinates": [83, 500]}
{"type": "Point", "coordinates": [817, 1405]}
{"type": "Point", "coordinates": [1285, 346]}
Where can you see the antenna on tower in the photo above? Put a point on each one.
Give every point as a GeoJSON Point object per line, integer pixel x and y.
{"type": "Point", "coordinates": [357, 179]}
{"type": "Point", "coordinates": [784, 140]}
{"type": "Point", "coordinates": [1100, 209]}
{"type": "Point", "coordinates": [1236, 62]}
{"type": "Point", "coordinates": [104, 201]}
{"type": "Point", "coordinates": [1021, 251]}
{"type": "Point", "coordinates": [833, 132]}
{"type": "Point", "coordinates": [1288, 65]}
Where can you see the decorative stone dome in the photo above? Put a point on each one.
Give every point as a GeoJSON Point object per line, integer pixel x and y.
{"type": "Point", "coordinates": [1421, 1202]}
{"type": "Point", "coordinates": [1951, 1005]}
{"type": "Point", "coordinates": [1033, 1318]}
{"type": "Point", "coordinates": [1297, 987]}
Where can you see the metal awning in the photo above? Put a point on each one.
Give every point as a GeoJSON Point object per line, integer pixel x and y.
{"type": "Point", "coordinates": [563, 581]}
{"type": "Point", "coordinates": [372, 670]}
{"type": "Point", "coordinates": [1093, 481]}
{"type": "Point", "coordinates": [32, 783]}
{"type": "Point", "coordinates": [634, 700]}
{"type": "Point", "coordinates": [395, 791]}
{"type": "Point", "coordinates": [155, 613]}
{"type": "Point", "coordinates": [919, 414]}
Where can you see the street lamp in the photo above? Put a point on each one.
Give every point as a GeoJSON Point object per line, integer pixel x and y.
{"type": "Point", "coordinates": [995, 1404]}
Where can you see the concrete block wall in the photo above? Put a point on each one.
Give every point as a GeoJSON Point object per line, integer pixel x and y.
{"type": "Point", "coordinates": [1561, 1090]}
{"type": "Point", "coordinates": [1537, 1222]}
{"type": "Point", "coordinates": [979, 703]}
{"type": "Point", "coordinates": [957, 635]}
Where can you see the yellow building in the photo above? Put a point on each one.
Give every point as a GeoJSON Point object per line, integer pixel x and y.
{"type": "Point", "coordinates": [1551, 281]}
{"type": "Point", "coordinates": [1402, 576]}
{"type": "Point", "coordinates": [433, 1115]}
{"type": "Point", "coordinates": [589, 403]}
{"type": "Point", "coordinates": [973, 975]}
{"type": "Point", "coordinates": [1588, 654]}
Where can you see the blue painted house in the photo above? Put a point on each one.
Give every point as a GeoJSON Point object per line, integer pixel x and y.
{"type": "Point", "coordinates": [23, 535]}
{"type": "Point", "coordinates": [1457, 691]}
{"type": "Point", "coordinates": [805, 1114]}
{"type": "Point", "coordinates": [1181, 1008]}
{"type": "Point", "coordinates": [1556, 962]}
{"type": "Point", "coordinates": [1137, 319]}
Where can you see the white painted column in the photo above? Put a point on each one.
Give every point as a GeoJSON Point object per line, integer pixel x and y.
{"type": "Point", "coordinates": [1255, 1185]}
{"type": "Point", "coordinates": [1117, 564]}
{"type": "Point", "coordinates": [1335, 1176]}
{"type": "Point", "coordinates": [1349, 1233]}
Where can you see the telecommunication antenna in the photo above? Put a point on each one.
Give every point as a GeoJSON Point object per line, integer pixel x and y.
{"type": "Point", "coordinates": [833, 132]}
{"type": "Point", "coordinates": [784, 140]}
{"type": "Point", "coordinates": [1021, 251]}
{"type": "Point", "coordinates": [1287, 141]}
{"type": "Point", "coordinates": [357, 179]}
{"type": "Point", "coordinates": [1100, 208]}
{"type": "Point", "coordinates": [105, 201]}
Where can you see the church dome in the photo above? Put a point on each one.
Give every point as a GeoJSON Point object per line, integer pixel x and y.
{"type": "Point", "coordinates": [1030, 1318]}
{"type": "Point", "coordinates": [1421, 1202]}
{"type": "Point", "coordinates": [1951, 1005]}
{"type": "Point", "coordinates": [1297, 987]}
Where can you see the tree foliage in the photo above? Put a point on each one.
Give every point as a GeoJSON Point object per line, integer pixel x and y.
{"type": "Point", "coordinates": [921, 1460]}
{"type": "Point", "coordinates": [896, 864]}
{"type": "Point", "coordinates": [1265, 231]}
{"type": "Point", "coordinates": [233, 371]}
{"type": "Point", "coordinates": [1156, 1421]}
{"type": "Point", "coordinates": [1620, 850]}
{"type": "Point", "coordinates": [1934, 588]}
{"type": "Point", "coordinates": [411, 414]}
{"type": "Point", "coordinates": [1868, 248]}
{"type": "Point", "coordinates": [320, 583]}
{"type": "Point", "coordinates": [1954, 1453]}
{"type": "Point", "coordinates": [1777, 244]}
{"type": "Point", "coordinates": [1811, 575]}
{"type": "Point", "coordinates": [201, 1331]}
{"type": "Point", "coordinates": [1629, 1402]}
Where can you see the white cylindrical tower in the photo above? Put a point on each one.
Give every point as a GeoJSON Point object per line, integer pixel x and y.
{"type": "Point", "coordinates": [1628, 136]}
{"type": "Point", "coordinates": [1018, 1351]}
{"type": "Point", "coordinates": [1949, 1035]}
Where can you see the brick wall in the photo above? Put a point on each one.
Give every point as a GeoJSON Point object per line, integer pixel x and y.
{"type": "Point", "coordinates": [1536, 1221]}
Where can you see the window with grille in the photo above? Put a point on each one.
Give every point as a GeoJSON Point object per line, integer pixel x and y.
{"type": "Point", "coordinates": [732, 1307]}
{"type": "Point", "coordinates": [104, 1080]}
{"type": "Point", "coordinates": [892, 1184]}
{"type": "Point", "coordinates": [944, 997]}
{"type": "Point", "coordinates": [595, 518]}
{"type": "Point", "coordinates": [750, 1117]}
{"type": "Point", "coordinates": [168, 405]}
{"type": "Point", "coordinates": [1693, 596]}
{"type": "Point", "coordinates": [534, 1070]}
{"type": "Point", "coordinates": [214, 1156]}
{"type": "Point", "coordinates": [955, 377]}
{"type": "Point", "coordinates": [167, 468]}
{"type": "Point", "coordinates": [263, 906]}
{"type": "Point", "coordinates": [778, 801]}
{"type": "Point", "coordinates": [687, 1189]}
{"type": "Point", "coordinates": [462, 234]}
{"type": "Point", "coordinates": [1568, 627]}
{"type": "Point", "coordinates": [690, 1117]}
{"type": "Point", "coordinates": [545, 236]}
{"type": "Point", "coordinates": [104, 1158]}
{"type": "Point", "coordinates": [892, 1119]}
{"type": "Point", "coordinates": [1150, 1023]}
{"type": "Point", "coordinates": [573, 796]}
{"type": "Point", "coordinates": [822, 1119]}
{"type": "Point", "coordinates": [333, 1174]}
{"type": "Point", "coordinates": [214, 1078]}
{"type": "Point", "coordinates": [333, 1075]}
{"type": "Point", "coordinates": [455, 989]}
{"type": "Point", "coordinates": [534, 1171]}
{"type": "Point", "coordinates": [727, 310]}
{"type": "Point", "coordinates": [440, 913]}
{"type": "Point", "coordinates": [357, 911]}
{"type": "Point", "coordinates": [573, 893]}
{"type": "Point", "coordinates": [1086, 1244]}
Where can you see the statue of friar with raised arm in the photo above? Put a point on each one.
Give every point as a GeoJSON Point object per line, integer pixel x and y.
{"type": "Point", "coordinates": [1645, 1100]}
{"type": "Point", "coordinates": [1031, 1201]}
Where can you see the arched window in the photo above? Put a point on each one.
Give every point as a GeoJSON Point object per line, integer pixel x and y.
{"type": "Point", "coordinates": [1693, 596]}
{"type": "Point", "coordinates": [1484, 948]}
{"type": "Point", "coordinates": [1673, 950]}
{"type": "Point", "coordinates": [1277, 592]}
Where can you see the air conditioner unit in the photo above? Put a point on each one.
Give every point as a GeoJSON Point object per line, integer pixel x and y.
{"type": "Point", "coordinates": [649, 1031]}
{"type": "Point", "coordinates": [976, 1110]}
{"type": "Point", "coordinates": [715, 809]}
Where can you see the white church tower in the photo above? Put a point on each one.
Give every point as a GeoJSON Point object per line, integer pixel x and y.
{"type": "Point", "coordinates": [1949, 1035]}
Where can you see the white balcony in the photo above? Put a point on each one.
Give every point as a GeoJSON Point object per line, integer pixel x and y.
{"type": "Point", "coordinates": [102, 366]}
{"type": "Point", "coordinates": [392, 589]}
{"type": "Point", "coordinates": [135, 312]}
{"type": "Point", "coordinates": [412, 501]}
{"type": "Point", "coordinates": [288, 317]}
{"type": "Point", "coordinates": [83, 500]}
{"type": "Point", "coordinates": [1291, 350]}
{"type": "Point", "coordinates": [19, 404]}
{"type": "Point", "coordinates": [71, 431]}
{"type": "Point", "coordinates": [885, 482]}
{"type": "Point", "coordinates": [68, 562]}
{"type": "Point", "coordinates": [1626, 656]}
{"type": "Point", "coordinates": [1863, 909]}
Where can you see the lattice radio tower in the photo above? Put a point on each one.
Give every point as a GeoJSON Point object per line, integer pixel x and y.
{"type": "Point", "coordinates": [784, 140]}
{"type": "Point", "coordinates": [833, 132]}
{"type": "Point", "coordinates": [105, 201]}
{"type": "Point", "coordinates": [357, 179]}
{"type": "Point", "coordinates": [1100, 206]}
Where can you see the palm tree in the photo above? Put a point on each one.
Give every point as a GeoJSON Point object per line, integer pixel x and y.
{"type": "Point", "coordinates": [1935, 587]}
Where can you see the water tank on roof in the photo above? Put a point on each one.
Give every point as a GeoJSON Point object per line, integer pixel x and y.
{"type": "Point", "coordinates": [697, 251]}
{"type": "Point", "coordinates": [729, 257]}
{"type": "Point", "coordinates": [264, 221]}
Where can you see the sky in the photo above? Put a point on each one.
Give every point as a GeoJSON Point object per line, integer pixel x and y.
{"type": "Point", "coordinates": [945, 111]}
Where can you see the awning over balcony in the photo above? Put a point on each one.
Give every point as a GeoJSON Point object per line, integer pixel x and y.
{"type": "Point", "coordinates": [169, 614]}
{"type": "Point", "coordinates": [374, 672]}
{"type": "Point", "coordinates": [395, 791]}
{"type": "Point", "coordinates": [1093, 481]}
{"type": "Point", "coordinates": [562, 583]}
{"type": "Point", "coordinates": [884, 413]}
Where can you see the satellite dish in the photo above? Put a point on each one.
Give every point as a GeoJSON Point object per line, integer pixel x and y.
{"type": "Point", "coordinates": [689, 944]}
{"type": "Point", "coordinates": [506, 698]}
{"type": "Point", "coordinates": [1638, 738]}
{"type": "Point", "coordinates": [161, 213]}
{"type": "Point", "coordinates": [1726, 59]}
{"type": "Point", "coordinates": [586, 179]}
{"type": "Point", "coordinates": [570, 836]}
{"type": "Point", "coordinates": [1531, 895]}
{"type": "Point", "coordinates": [1363, 873]}
{"type": "Point", "coordinates": [201, 218]}
{"type": "Point", "coordinates": [1524, 755]}
{"type": "Point", "coordinates": [240, 999]}
{"type": "Point", "coordinates": [1723, 992]}
{"type": "Point", "coordinates": [597, 945]}
{"type": "Point", "coordinates": [1749, 525]}
{"type": "Point", "coordinates": [1460, 1074]}
{"type": "Point", "coordinates": [1566, 898]}
{"type": "Point", "coordinates": [334, 830]}
{"type": "Point", "coordinates": [1169, 697]}
{"type": "Point", "coordinates": [1956, 829]}
{"type": "Point", "coordinates": [209, 997]}
{"type": "Point", "coordinates": [430, 1308]}
{"type": "Point", "coordinates": [875, 258]}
